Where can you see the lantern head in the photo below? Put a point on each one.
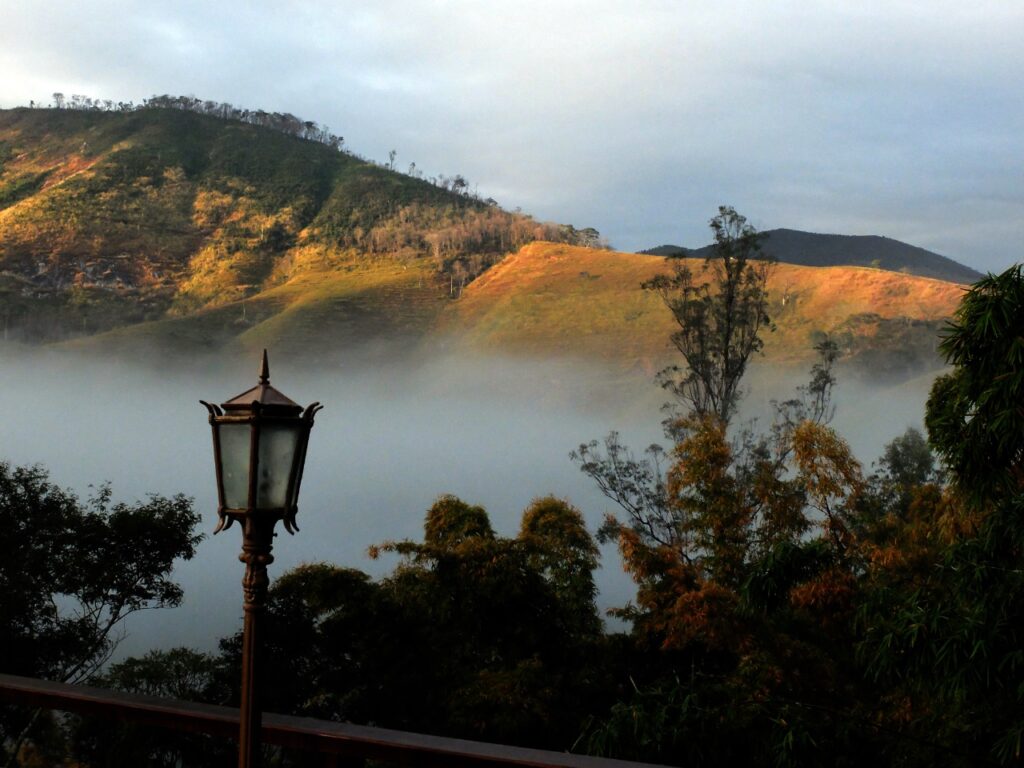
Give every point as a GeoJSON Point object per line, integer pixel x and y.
{"type": "Point", "coordinates": [259, 449]}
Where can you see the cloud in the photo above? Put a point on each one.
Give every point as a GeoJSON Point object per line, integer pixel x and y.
{"type": "Point", "coordinates": [636, 118]}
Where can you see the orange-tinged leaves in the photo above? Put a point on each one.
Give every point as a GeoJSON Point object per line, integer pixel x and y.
{"type": "Point", "coordinates": [703, 458]}
{"type": "Point", "coordinates": [825, 462]}
{"type": "Point", "coordinates": [829, 597]}
{"type": "Point", "coordinates": [707, 615]}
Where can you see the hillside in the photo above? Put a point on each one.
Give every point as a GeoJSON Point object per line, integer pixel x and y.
{"type": "Point", "coordinates": [808, 249]}
{"type": "Point", "coordinates": [160, 230]}
{"type": "Point", "coordinates": [110, 219]}
{"type": "Point", "coordinates": [562, 300]}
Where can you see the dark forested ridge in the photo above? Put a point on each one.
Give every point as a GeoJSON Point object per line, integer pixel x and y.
{"type": "Point", "coordinates": [810, 249]}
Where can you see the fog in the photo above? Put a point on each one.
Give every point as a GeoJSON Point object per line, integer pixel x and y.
{"type": "Point", "coordinates": [391, 438]}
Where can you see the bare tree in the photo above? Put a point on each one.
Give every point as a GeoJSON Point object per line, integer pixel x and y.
{"type": "Point", "coordinates": [720, 318]}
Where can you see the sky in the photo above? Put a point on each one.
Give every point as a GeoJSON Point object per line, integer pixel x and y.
{"type": "Point", "coordinates": [638, 118]}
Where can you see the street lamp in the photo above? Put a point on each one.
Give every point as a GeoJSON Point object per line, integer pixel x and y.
{"type": "Point", "coordinates": [259, 448]}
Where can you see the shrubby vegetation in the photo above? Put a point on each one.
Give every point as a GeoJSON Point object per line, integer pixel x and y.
{"type": "Point", "coordinates": [793, 607]}
{"type": "Point", "coordinates": [795, 610]}
{"type": "Point", "coordinates": [472, 635]}
{"type": "Point", "coordinates": [71, 571]}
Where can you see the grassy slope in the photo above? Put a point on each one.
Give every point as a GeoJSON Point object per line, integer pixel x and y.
{"type": "Point", "coordinates": [317, 312]}
{"type": "Point", "coordinates": [553, 301]}
{"type": "Point", "coordinates": [564, 300]}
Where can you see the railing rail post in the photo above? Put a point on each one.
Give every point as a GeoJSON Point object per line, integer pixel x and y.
{"type": "Point", "coordinates": [341, 745]}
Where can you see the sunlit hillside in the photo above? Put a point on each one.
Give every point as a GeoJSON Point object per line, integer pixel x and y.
{"type": "Point", "coordinates": [319, 314]}
{"type": "Point", "coordinates": [108, 219]}
{"type": "Point", "coordinates": [159, 229]}
{"type": "Point", "coordinates": [564, 300]}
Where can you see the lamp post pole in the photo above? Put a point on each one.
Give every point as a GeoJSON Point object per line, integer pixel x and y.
{"type": "Point", "coordinates": [257, 538]}
{"type": "Point", "coordinates": [259, 447]}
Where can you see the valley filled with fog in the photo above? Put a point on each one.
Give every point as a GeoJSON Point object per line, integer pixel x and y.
{"type": "Point", "coordinates": [496, 432]}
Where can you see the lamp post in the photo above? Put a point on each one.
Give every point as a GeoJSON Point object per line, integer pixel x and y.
{"type": "Point", "coordinates": [259, 448]}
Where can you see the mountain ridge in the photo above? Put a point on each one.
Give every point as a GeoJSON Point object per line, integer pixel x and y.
{"type": "Point", "coordinates": [556, 300]}
{"type": "Point", "coordinates": [112, 218]}
{"type": "Point", "coordinates": [813, 249]}
{"type": "Point", "coordinates": [166, 229]}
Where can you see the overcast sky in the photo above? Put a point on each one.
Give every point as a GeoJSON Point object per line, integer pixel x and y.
{"type": "Point", "coordinates": [639, 118]}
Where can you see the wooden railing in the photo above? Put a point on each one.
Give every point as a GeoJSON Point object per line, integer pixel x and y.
{"type": "Point", "coordinates": [340, 743]}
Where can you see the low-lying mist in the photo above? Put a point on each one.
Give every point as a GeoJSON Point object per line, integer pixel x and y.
{"type": "Point", "coordinates": [494, 431]}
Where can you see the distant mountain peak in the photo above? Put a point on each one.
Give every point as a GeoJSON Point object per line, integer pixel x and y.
{"type": "Point", "coordinates": [812, 249]}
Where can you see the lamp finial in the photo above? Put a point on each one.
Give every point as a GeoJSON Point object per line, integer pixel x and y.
{"type": "Point", "coordinates": [265, 370]}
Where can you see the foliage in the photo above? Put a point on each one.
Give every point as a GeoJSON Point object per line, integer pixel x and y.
{"type": "Point", "coordinates": [72, 571]}
{"type": "Point", "coordinates": [975, 419]}
{"type": "Point", "coordinates": [639, 485]}
{"type": "Point", "coordinates": [61, 597]}
{"type": "Point", "coordinates": [720, 320]}
{"type": "Point", "coordinates": [509, 626]}
{"type": "Point", "coordinates": [326, 630]}
{"type": "Point", "coordinates": [906, 466]}
{"type": "Point", "coordinates": [472, 634]}
{"type": "Point", "coordinates": [745, 609]}
{"type": "Point", "coordinates": [285, 123]}
{"type": "Point", "coordinates": [179, 673]}
{"type": "Point", "coordinates": [562, 550]}
{"type": "Point", "coordinates": [784, 596]}
{"type": "Point", "coordinates": [743, 555]}
{"type": "Point", "coordinates": [947, 635]}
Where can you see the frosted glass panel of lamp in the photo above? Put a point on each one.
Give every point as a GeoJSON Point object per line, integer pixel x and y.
{"type": "Point", "coordinates": [277, 453]}
{"type": "Point", "coordinates": [234, 456]}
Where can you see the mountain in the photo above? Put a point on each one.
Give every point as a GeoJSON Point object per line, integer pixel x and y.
{"type": "Point", "coordinates": [553, 300]}
{"type": "Point", "coordinates": [559, 300]}
{"type": "Point", "coordinates": [791, 246]}
{"type": "Point", "coordinates": [164, 230]}
{"type": "Point", "coordinates": [109, 219]}
{"type": "Point", "coordinates": [666, 250]}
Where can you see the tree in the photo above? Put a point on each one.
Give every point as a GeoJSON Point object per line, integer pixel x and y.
{"type": "Point", "coordinates": [336, 642]}
{"type": "Point", "coordinates": [720, 319]}
{"type": "Point", "coordinates": [946, 635]}
{"type": "Point", "coordinates": [505, 629]}
{"type": "Point", "coordinates": [471, 634]}
{"type": "Point", "coordinates": [72, 571]}
{"type": "Point", "coordinates": [740, 624]}
{"type": "Point", "coordinates": [974, 414]}
{"type": "Point", "coordinates": [562, 549]}
{"type": "Point", "coordinates": [906, 465]}
{"type": "Point", "coordinates": [103, 560]}
{"type": "Point", "coordinates": [658, 515]}
{"type": "Point", "coordinates": [180, 673]}
{"type": "Point", "coordinates": [743, 550]}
